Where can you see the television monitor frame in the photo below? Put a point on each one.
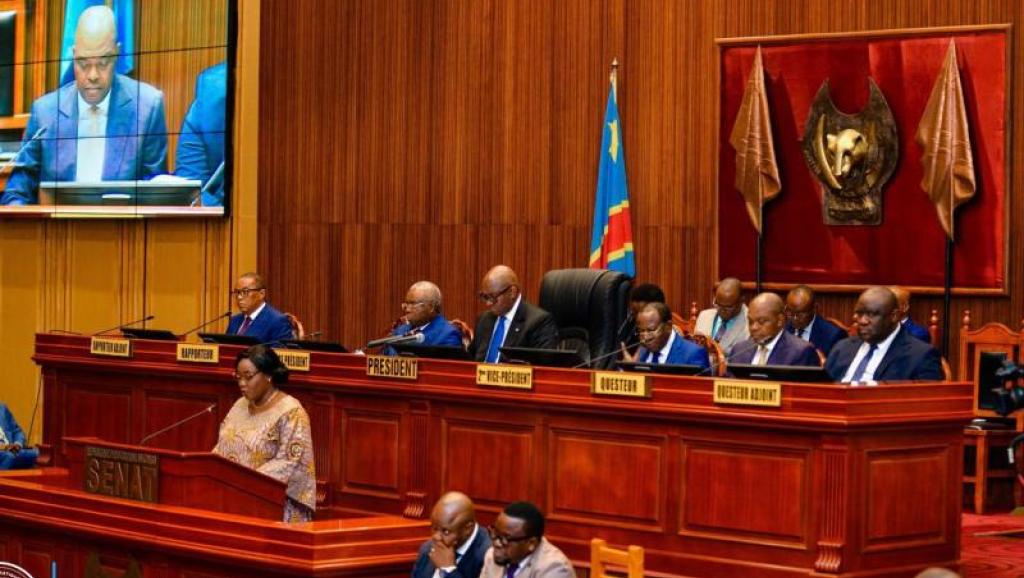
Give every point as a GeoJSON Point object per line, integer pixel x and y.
{"type": "Point", "coordinates": [664, 368]}
{"type": "Point", "coordinates": [419, 350]}
{"type": "Point", "coordinates": [565, 358]}
{"type": "Point", "coordinates": [786, 373]}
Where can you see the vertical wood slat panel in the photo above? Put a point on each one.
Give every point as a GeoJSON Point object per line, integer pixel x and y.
{"type": "Point", "coordinates": [434, 139]}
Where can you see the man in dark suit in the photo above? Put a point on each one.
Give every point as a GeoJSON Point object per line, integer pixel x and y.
{"type": "Point", "coordinates": [769, 344]}
{"type": "Point", "coordinates": [803, 321]}
{"type": "Point", "coordinates": [903, 299]}
{"type": "Point", "coordinates": [882, 350]}
{"type": "Point", "coordinates": [257, 318]}
{"type": "Point", "coordinates": [457, 544]}
{"type": "Point", "coordinates": [639, 297]}
{"type": "Point", "coordinates": [661, 343]}
{"type": "Point", "coordinates": [200, 149]}
{"type": "Point", "coordinates": [511, 321]}
{"type": "Point", "coordinates": [422, 314]}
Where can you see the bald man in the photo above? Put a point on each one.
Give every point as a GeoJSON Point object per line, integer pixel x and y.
{"type": "Point", "coordinates": [803, 321]}
{"type": "Point", "coordinates": [103, 126]}
{"type": "Point", "coordinates": [769, 343]}
{"type": "Point", "coordinates": [882, 350]}
{"type": "Point", "coordinates": [726, 322]}
{"type": "Point", "coordinates": [510, 321]}
{"type": "Point", "coordinates": [421, 314]}
{"type": "Point", "coordinates": [903, 304]}
{"type": "Point", "coordinates": [457, 544]}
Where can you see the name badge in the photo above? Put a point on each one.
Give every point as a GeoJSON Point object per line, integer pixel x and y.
{"type": "Point", "coordinates": [294, 360]}
{"type": "Point", "coordinates": [396, 367]}
{"type": "Point", "coordinates": [110, 346]}
{"type": "Point", "coordinates": [198, 353]}
{"type": "Point", "coordinates": [498, 375]}
{"type": "Point", "coordinates": [620, 384]}
{"type": "Point", "coordinates": [737, 392]}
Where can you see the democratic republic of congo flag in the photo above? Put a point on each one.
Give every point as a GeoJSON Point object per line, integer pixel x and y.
{"type": "Point", "coordinates": [611, 244]}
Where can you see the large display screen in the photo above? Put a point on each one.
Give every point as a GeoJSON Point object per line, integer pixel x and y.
{"type": "Point", "coordinates": [116, 108]}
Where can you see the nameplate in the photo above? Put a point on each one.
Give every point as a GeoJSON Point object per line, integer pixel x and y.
{"type": "Point", "coordinates": [198, 352]}
{"type": "Point", "coordinates": [121, 474]}
{"type": "Point", "coordinates": [110, 346]}
{"type": "Point", "coordinates": [620, 384]}
{"type": "Point", "coordinates": [736, 392]}
{"type": "Point", "coordinates": [294, 360]}
{"type": "Point", "coordinates": [498, 375]}
{"type": "Point", "coordinates": [388, 366]}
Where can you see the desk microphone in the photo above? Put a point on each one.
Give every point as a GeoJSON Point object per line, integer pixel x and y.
{"type": "Point", "coordinates": [315, 335]}
{"type": "Point", "coordinates": [63, 331]}
{"type": "Point", "coordinates": [397, 339]}
{"type": "Point", "coordinates": [178, 423]}
{"type": "Point", "coordinates": [605, 356]}
{"type": "Point", "coordinates": [35, 137]}
{"type": "Point", "coordinates": [123, 325]}
{"type": "Point", "coordinates": [225, 315]}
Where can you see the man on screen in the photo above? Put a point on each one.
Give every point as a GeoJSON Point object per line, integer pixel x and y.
{"type": "Point", "coordinates": [200, 151]}
{"type": "Point", "coordinates": [103, 126]}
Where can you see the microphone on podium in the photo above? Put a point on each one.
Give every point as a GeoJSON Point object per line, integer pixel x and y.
{"type": "Point", "coordinates": [178, 423]}
{"type": "Point", "coordinates": [397, 339]}
{"type": "Point", "coordinates": [17, 155]}
{"type": "Point", "coordinates": [123, 325]}
{"type": "Point", "coordinates": [605, 356]}
{"type": "Point", "coordinates": [225, 315]}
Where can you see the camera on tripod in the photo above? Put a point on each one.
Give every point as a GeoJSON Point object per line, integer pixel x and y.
{"type": "Point", "coordinates": [1009, 396]}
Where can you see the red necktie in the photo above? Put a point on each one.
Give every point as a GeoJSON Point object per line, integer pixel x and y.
{"type": "Point", "coordinates": [245, 325]}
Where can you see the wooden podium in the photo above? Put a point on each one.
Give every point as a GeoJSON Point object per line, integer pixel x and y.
{"type": "Point", "coordinates": [834, 481]}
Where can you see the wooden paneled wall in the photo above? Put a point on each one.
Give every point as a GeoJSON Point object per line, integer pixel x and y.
{"type": "Point", "coordinates": [85, 276]}
{"type": "Point", "coordinates": [414, 139]}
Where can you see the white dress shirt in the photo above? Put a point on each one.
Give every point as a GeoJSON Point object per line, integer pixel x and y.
{"type": "Point", "coordinates": [509, 316]}
{"type": "Point", "coordinates": [869, 373]}
{"type": "Point", "coordinates": [770, 346]}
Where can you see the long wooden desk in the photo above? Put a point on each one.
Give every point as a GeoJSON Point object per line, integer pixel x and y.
{"type": "Point", "coordinates": [838, 481]}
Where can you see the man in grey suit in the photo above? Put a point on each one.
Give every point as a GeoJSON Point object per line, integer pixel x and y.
{"type": "Point", "coordinates": [726, 322]}
{"type": "Point", "coordinates": [519, 548]}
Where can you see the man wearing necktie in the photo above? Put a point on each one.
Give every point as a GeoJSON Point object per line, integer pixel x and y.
{"type": "Point", "coordinates": [769, 344]}
{"type": "Point", "coordinates": [803, 321]}
{"type": "Point", "coordinates": [422, 314]}
{"type": "Point", "coordinates": [519, 548]}
{"type": "Point", "coordinates": [457, 544]}
{"type": "Point", "coordinates": [882, 350]}
{"type": "Point", "coordinates": [726, 322]}
{"type": "Point", "coordinates": [510, 320]}
{"type": "Point", "coordinates": [660, 343]}
{"type": "Point", "coordinates": [257, 319]}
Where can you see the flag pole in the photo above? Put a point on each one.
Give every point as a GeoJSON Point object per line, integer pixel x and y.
{"type": "Point", "coordinates": [760, 246]}
{"type": "Point", "coordinates": [947, 296]}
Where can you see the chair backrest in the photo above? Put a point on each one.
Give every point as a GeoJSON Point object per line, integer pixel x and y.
{"type": "Point", "coordinates": [465, 330]}
{"type": "Point", "coordinates": [990, 338]}
{"type": "Point", "coordinates": [849, 327]}
{"type": "Point", "coordinates": [590, 299]}
{"type": "Point", "coordinates": [631, 560]}
{"type": "Point", "coordinates": [947, 372]}
{"type": "Point", "coordinates": [715, 354]}
{"type": "Point", "coordinates": [298, 331]}
{"type": "Point", "coordinates": [683, 326]}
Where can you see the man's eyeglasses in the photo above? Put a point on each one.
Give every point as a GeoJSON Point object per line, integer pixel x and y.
{"type": "Point", "coordinates": [242, 293]}
{"type": "Point", "coordinates": [413, 304]}
{"type": "Point", "coordinates": [730, 307]}
{"type": "Point", "coordinates": [492, 298]}
{"type": "Point", "coordinates": [502, 540]}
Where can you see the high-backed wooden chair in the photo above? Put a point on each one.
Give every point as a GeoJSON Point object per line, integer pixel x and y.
{"type": "Point", "coordinates": [715, 354]}
{"type": "Point", "coordinates": [990, 338]}
{"type": "Point", "coordinates": [683, 326]}
{"type": "Point", "coordinates": [298, 331]}
{"type": "Point", "coordinates": [465, 330]}
{"type": "Point", "coordinates": [851, 328]}
{"type": "Point", "coordinates": [630, 560]}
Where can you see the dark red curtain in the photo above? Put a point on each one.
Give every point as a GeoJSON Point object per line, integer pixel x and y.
{"type": "Point", "coordinates": [909, 247]}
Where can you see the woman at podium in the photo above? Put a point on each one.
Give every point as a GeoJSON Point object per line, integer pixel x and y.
{"type": "Point", "coordinates": [268, 430]}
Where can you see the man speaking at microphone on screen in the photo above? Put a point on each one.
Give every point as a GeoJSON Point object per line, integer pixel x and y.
{"type": "Point", "coordinates": [103, 126]}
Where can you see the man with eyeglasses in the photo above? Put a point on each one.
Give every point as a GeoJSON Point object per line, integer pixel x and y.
{"type": "Point", "coordinates": [882, 349]}
{"type": "Point", "coordinates": [103, 126]}
{"type": "Point", "coordinates": [769, 343]}
{"type": "Point", "coordinates": [802, 320]}
{"type": "Point", "coordinates": [660, 343]}
{"type": "Point", "coordinates": [421, 313]}
{"type": "Point", "coordinates": [510, 320]}
{"type": "Point", "coordinates": [726, 322]}
{"type": "Point", "coordinates": [257, 318]}
{"type": "Point", "coordinates": [457, 544]}
{"type": "Point", "coordinates": [519, 548]}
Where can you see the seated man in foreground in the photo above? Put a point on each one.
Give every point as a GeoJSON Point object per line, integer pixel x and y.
{"type": "Point", "coordinates": [257, 318]}
{"type": "Point", "coordinates": [661, 343]}
{"type": "Point", "coordinates": [769, 344]}
{"type": "Point", "coordinates": [457, 544]}
{"type": "Point", "coordinates": [14, 455]}
{"type": "Point", "coordinates": [882, 350]}
{"type": "Point", "coordinates": [519, 548]}
{"type": "Point", "coordinates": [510, 320]}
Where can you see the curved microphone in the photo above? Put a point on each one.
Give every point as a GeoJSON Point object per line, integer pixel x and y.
{"type": "Point", "coordinates": [605, 356]}
{"type": "Point", "coordinates": [397, 339]}
{"type": "Point", "coordinates": [178, 423]}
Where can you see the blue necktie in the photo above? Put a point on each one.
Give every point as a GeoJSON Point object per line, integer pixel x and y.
{"type": "Point", "coordinates": [510, 571]}
{"type": "Point", "coordinates": [720, 333]}
{"type": "Point", "coordinates": [496, 339]}
{"type": "Point", "coordinates": [652, 357]}
{"type": "Point", "coordinates": [863, 365]}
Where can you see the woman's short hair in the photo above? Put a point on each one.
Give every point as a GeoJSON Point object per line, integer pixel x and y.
{"type": "Point", "coordinates": [266, 361]}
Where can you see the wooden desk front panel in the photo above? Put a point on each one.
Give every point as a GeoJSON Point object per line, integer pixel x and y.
{"type": "Point", "coordinates": [837, 481]}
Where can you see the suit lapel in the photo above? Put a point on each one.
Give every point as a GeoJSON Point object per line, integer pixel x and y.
{"type": "Point", "coordinates": [514, 335]}
{"type": "Point", "coordinates": [895, 351]}
{"type": "Point", "coordinates": [67, 133]}
{"type": "Point", "coordinates": [120, 127]}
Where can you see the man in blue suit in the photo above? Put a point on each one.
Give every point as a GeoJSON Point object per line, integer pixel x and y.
{"type": "Point", "coordinates": [882, 350]}
{"type": "Point", "coordinates": [457, 544]}
{"type": "Point", "coordinates": [422, 314]}
{"type": "Point", "coordinates": [661, 343]}
{"type": "Point", "coordinates": [769, 344]}
{"type": "Point", "coordinates": [14, 454]}
{"type": "Point", "coordinates": [257, 318]}
{"type": "Point", "coordinates": [200, 149]}
{"type": "Point", "coordinates": [803, 321]}
{"type": "Point", "coordinates": [903, 299]}
{"type": "Point", "coordinates": [103, 126]}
